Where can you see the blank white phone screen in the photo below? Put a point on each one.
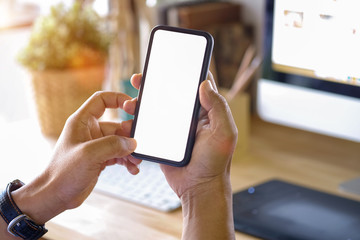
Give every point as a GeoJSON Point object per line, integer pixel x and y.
{"type": "Point", "coordinates": [169, 94]}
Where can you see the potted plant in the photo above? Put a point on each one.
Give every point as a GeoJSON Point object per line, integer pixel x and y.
{"type": "Point", "coordinates": [66, 57]}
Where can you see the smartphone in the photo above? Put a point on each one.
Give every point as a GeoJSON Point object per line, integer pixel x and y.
{"type": "Point", "coordinates": [167, 110]}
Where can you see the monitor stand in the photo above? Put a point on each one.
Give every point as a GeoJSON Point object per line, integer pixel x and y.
{"type": "Point", "coordinates": [352, 186]}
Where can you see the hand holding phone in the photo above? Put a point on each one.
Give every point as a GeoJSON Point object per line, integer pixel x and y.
{"type": "Point", "coordinates": [166, 114]}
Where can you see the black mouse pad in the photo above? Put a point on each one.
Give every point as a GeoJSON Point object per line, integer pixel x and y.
{"type": "Point", "coordinates": [279, 210]}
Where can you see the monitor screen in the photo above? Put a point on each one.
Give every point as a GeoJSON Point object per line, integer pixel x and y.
{"type": "Point", "coordinates": [312, 41]}
{"type": "Point", "coordinates": [312, 48]}
{"type": "Point", "coordinates": [318, 39]}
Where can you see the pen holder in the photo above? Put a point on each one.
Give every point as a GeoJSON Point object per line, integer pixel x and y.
{"type": "Point", "coordinates": [240, 109]}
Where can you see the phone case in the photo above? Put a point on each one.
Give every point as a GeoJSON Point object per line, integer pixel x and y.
{"type": "Point", "coordinates": [194, 120]}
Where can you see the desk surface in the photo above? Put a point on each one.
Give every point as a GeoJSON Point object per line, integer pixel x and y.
{"type": "Point", "coordinates": [305, 158]}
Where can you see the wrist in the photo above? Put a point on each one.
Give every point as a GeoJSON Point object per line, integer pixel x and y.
{"type": "Point", "coordinates": [38, 201]}
{"type": "Point", "coordinates": [217, 188]}
{"type": "Point", "coordinates": [207, 211]}
{"type": "Point", "coordinates": [18, 223]}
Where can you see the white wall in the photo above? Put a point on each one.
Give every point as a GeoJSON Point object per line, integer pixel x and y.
{"type": "Point", "coordinates": [13, 80]}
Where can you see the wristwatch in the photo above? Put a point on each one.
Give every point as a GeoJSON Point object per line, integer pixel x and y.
{"type": "Point", "coordinates": [19, 224]}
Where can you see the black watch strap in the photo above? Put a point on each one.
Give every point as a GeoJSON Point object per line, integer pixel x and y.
{"type": "Point", "coordinates": [18, 223]}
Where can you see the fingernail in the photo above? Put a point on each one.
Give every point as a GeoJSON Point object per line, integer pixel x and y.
{"type": "Point", "coordinates": [131, 100]}
{"type": "Point", "coordinates": [209, 85]}
{"type": "Point", "coordinates": [135, 74]}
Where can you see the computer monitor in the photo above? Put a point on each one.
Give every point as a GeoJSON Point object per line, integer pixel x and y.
{"type": "Point", "coordinates": [311, 71]}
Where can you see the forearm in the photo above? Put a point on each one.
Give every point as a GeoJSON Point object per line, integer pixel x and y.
{"type": "Point", "coordinates": [207, 212]}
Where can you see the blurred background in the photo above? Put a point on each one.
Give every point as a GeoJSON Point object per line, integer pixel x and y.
{"type": "Point", "coordinates": [55, 54]}
{"type": "Point", "coordinates": [35, 50]}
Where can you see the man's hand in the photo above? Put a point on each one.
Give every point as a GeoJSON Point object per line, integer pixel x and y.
{"type": "Point", "coordinates": [214, 145]}
{"type": "Point", "coordinates": [86, 146]}
{"type": "Point", "coordinates": [204, 184]}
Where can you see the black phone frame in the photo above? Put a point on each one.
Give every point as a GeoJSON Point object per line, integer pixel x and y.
{"type": "Point", "coordinates": [195, 115]}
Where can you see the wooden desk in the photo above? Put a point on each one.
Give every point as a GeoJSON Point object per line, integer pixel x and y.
{"type": "Point", "coordinates": [301, 157]}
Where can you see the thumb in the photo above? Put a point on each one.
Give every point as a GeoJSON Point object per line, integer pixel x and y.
{"type": "Point", "coordinates": [109, 147]}
{"type": "Point", "coordinates": [219, 112]}
{"type": "Point", "coordinates": [210, 100]}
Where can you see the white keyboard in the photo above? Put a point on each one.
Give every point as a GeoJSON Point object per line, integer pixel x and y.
{"type": "Point", "coordinates": [148, 188]}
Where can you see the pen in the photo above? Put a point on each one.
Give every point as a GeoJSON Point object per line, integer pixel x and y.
{"type": "Point", "coordinates": [243, 79]}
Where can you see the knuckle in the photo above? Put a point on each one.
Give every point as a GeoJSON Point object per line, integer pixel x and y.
{"type": "Point", "coordinates": [70, 119]}
{"type": "Point", "coordinates": [85, 151]}
{"type": "Point", "coordinates": [220, 99]}
{"type": "Point", "coordinates": [230, 136]}
{"type": "Point", "coordinates": [222, 103]}
{"type": "Point", "coordinates": [232, 132]}
{"type": "Point", "coordinates": [114, 143]}
{"type": "Point", "coordinates": [227, 126]}
{"type": "Point", "coordinates": [117, 145]}
{"type": "Point", "coordinates": [97, 94]}
{"type": "Point", "coordinates": [234, 136]}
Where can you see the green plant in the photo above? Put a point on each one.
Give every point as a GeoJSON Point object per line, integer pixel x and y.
{"type": "Point", "coordinates": [66, 38]}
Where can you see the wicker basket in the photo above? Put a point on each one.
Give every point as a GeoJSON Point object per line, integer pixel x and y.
{"type": "Point", "coordinates": [59, 93]}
